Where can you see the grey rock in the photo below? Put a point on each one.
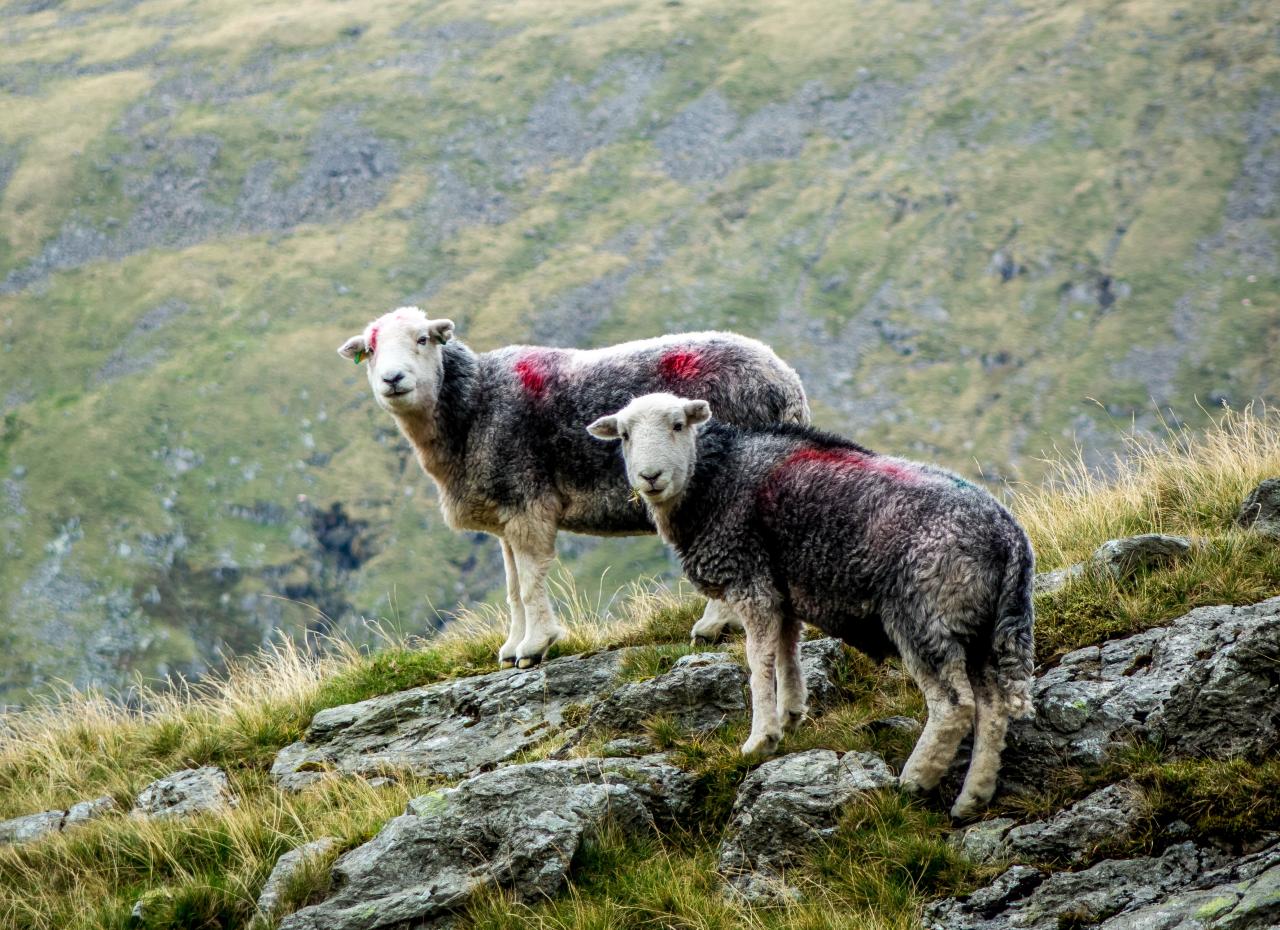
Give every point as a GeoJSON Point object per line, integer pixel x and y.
{"type": "Point", "coordinates": [1123, 557]}
{"type": "Point", "coordinates": [448, 729]}
{"type": "Point", "coordinates": [1184, 889]}
{"type": "Point", "coordinates": [86, 811]}
{"type": "Point", "coordinates": [517, 827]}
{"type": "Point", "coordinates": [286, 867]}
{"type": "Point", "coordinates": [1112, 813]}
{"type": "Point", "coordinates": [627, 746]}
{"type": "Point", "coordinates": [703, 690]}
{"type": "Point", "coordinates": [31, 827]}
{"type": "Point", "coordinates": [786, 806]}
{"type": "Point", "coordinates": [896, 723]}
{"type": "Point", "coordinates": [699, 693]}
{"type": "Point", "coordinates": [1261, 509]}
{"type": "Point", "coordinates": [983, 841]}
{"type": "Point", "coordinates": [1203, 686]}
{"type": "Point", "coordinates": [34, 826]}
{"type": "Point", "coordinates": [190, 791]}
{"type": "Point", "coordinates": [1048, 582]}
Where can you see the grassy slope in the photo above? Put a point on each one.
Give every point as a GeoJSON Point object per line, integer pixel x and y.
{"type": "Point", "coordinates": [888, 856]}
{"type": "Point", "coordinates": [860, 242]}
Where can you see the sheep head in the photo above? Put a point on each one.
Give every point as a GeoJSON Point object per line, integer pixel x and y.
{"type": "Point", "coordinates": [405, 364]}
{"type": "Point", "coordinates": [657, 432]}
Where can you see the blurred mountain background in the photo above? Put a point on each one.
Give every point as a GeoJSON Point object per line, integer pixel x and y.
{"type": "Point", "coordinates": [979, 230]}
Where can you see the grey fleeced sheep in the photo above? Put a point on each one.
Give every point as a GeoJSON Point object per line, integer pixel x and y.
{"type": "Point", "coordinates": [789, 524]}
{"type": "Point", "coordinates": [503, 435]}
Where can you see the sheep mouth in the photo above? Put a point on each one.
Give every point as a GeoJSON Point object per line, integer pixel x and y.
{"type": "Point", "coordinates": [399, 393]}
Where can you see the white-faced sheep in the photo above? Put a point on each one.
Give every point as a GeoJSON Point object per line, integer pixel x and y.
{"type": "Point", "coordinates": [502, 433]}
{"type": "Point", "coordinates": [892, 556]}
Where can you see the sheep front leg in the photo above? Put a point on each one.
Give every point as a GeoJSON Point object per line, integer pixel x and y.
{"type": "Point", "coordinates": [515, 632]}
{"type": "Point", "coordinates": [534, 548]}
{"type": "Point", "coordinates": [763, 623]}
{"type": "Point", "coordinates": [715, 619]}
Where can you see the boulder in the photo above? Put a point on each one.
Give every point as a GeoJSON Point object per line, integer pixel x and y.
{"type": "Point", "coordinates": [698, 693]}
{"type": "Point", "coordinates": [785, 807]}
{"type": "Point", "coordinates": [1122, 557]}
{"type": "Point", "coordinates": [34, 826]}
{"type": "Point", "coordinates": [1186, 888]}
{"type": "Point", "coordinates": [31, 826]}
{"type": "Point", "coordinates": [517, 827]}
{"type": "Point", "coordinates": [703, 690]}
{"type": "Point", "coordinates": [190, 791]}
{"type": "Point", "coordinates": [1261, 509]}
{"type": "Point", "coordinates": [1203, 686]}
{"type": "Point", "coordinates": [1114, 813]}
{"type": "Point", "coordinates": [286, 867]}
{"type": "Point", "coordinates": [1048, 582]}
{"type": "Point", "coordinates": [448, 729]}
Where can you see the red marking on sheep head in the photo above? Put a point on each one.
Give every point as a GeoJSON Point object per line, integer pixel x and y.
{"type": "Point", "coordinates": [681, 365]}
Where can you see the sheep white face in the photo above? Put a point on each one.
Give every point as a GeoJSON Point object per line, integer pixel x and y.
{"type": "Point", "coordinates": [405, 364]}
{"type": "Point", "coordinates": [657, 433]}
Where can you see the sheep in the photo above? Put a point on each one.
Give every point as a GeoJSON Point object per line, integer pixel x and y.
{"type": "Point", "coordinates": [501, 433]}
{"type": "Point", "coordinates": [894, 557]}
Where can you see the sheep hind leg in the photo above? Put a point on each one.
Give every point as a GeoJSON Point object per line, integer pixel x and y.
{"type": "Point", "coordinates": [988, 742]}
{"type": "Point", "coordinates": [792, 691]}
{"type": "Point", "coordinates": [515, 632]}
{"type": "Point", "coordinates": [949, 697]}
{"type": "Point", "coordinates": [715, 620]}
{"type": "Point", "coordinates": [763, 622]}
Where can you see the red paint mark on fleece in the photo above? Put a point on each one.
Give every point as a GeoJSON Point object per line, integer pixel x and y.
{"type": "Point", "coordinates": [835, 460]}
{"type": "Point", "coordinates": [680, 364]}
{"type": "Point", "coordinates": [534, 369]}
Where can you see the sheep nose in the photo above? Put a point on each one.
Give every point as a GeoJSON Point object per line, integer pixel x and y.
{"type": "Point", "coordinates": [394, 378]}
{"type": "Point", "coordinates": [651, 476]}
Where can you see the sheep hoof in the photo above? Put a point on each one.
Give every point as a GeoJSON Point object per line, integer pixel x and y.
{"type": "Point", "coordinates": [760, 747]}
{"type": "Point", "coordinates": [528, 661]}
{"type": "Point", "coordinates": [506, 663]}
{"type": "Point", "coordinates": [792, 719]}
{"type": "Point", "coordinates": [966, 809]}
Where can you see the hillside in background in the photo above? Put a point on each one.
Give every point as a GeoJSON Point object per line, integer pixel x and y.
{"type": "Point", "coordinates": [978, 230]}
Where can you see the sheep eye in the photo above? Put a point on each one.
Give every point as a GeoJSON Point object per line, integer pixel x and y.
{"type": "Point", "coordinates": [422, 340]}
{"type": "Point", "coordinates": [678, 427]}
{"type": "Point", "coordinates": [626, 437]}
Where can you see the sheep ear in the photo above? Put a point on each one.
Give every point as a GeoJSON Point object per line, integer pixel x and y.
{"type": "Point", "coordinates": [698, 411]}
{"type": "Point", "coordinates": [355, 347]}
{"type": "Point", "coordinates": [441, 331]}
{"type": "Point", "coordinates": [604, 428]}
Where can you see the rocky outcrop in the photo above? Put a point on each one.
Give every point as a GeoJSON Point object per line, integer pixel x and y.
{"type": "Point", "coordinates": [1111, 814]}
{"type": "Point", "coordinates": [1206, 685]}
{"type": "Point", "coordinates": [190, 791]}
{"type": "Point", "coordinates": [784, 808]}
{"type": "Point", "coordinates": [1122, 557]}
{"type": "Point", "coordinates": [286, 867]}
{"type": "Point", "coordinates": [1118, 558]}
{"type": "Point", "coordinates": [1183, 889]}
{"type": "Point", "coordinates": [517, 827]}
{"type": "Point", "coordinates": [34, 826]}
{"type": "Point", "coordinates": [1261, 509]}
{"type": "Point", "coordinates": [703, 690]}
{"type": "Point", "coordinates": [449, 729]}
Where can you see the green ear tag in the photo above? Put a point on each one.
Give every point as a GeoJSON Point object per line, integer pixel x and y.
{"type": "Point", "coordinates": [359, 356]}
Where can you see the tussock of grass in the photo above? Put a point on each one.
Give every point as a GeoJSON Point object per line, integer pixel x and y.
{"type": "Point", "coordinates": [1185, 482]}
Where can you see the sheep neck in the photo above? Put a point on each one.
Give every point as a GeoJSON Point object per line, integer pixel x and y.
{"type": "Point", "coordinates": [439, 433]}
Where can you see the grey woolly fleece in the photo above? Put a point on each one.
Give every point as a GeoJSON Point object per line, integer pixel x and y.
{"type": "Point", "coordinates": [890, 555]}
{"type": "Point", "coordinates": [509, 425]}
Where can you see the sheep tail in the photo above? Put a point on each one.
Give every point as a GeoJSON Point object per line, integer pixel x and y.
{"type": "Point", "coordinates": [1012, 639]}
